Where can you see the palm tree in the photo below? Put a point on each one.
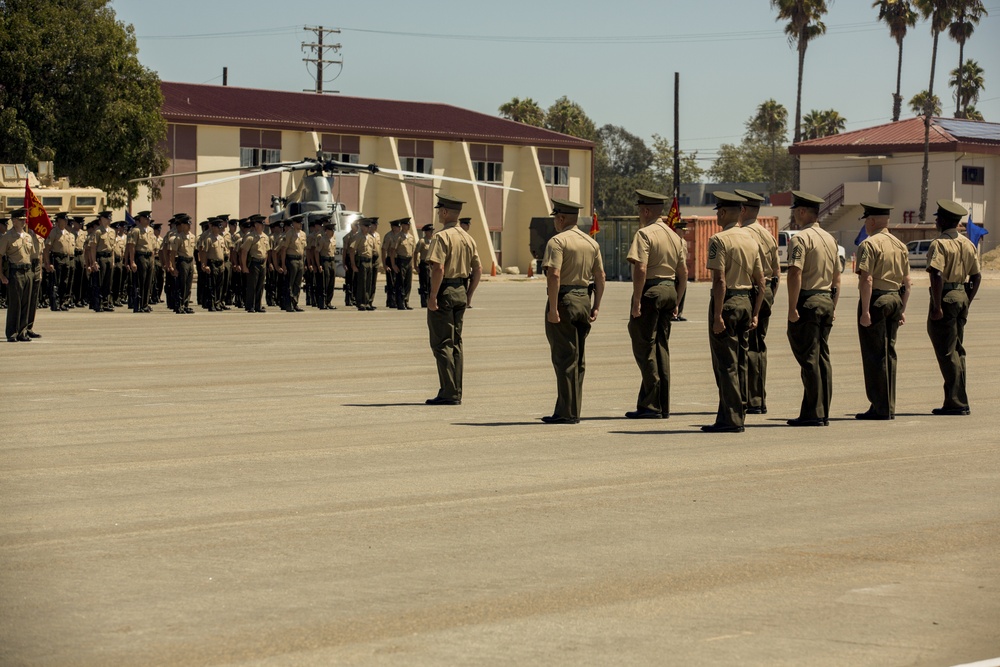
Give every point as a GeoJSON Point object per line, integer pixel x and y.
{"type": "Point", "coordinates": [968, 82]}
{"type": "Point", "coordinates": [826, 123]}
{"type": "Point", "coordinates": [940, 13]}
{"type": "Point", "coordinates": [770, 125]}
{"type": "Point", "coordinates": [967, 15]}
{"type": "Point", "coordinates": [525, 111]}
{"type": "Point", "coordinates": [568, 117]}
{"type": "Point", "coordinates": [918, 104]}
{"type": "Point", "coordinates": [804, 25]}
{"type": "Point", "coordinates": [899, 16]}
{"type": "Point", "coordinates": [971, 113]}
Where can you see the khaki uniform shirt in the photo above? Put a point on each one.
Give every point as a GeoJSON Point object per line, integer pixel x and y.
{"type": "Point", "coordinates": [16, 248]}
{"type": "Point", "coordinates": [735, 252]}
{"type": "Point", "coordinates": [454, 250]}
{"type": "Point", "coordinates": [659, 248]}
{"type": "Point", "coordinates": [954, 256]}
{"type": "Point", "coordinates": [144, 241]}
{"type": "Point", "coordinates": [389, 244]}
{"type": "Point", "coordinates": [576, 255]}
{"type": "Point", "coordinates": [814, 251]}
{"type": "Point", "coordinates": [60, 241]}
{"type": "Point", "coordinates": [256, 245]}
{"type": "Point", "coordinates": [215, 248]}
{"type": "Point", "coordinates": [294, 243]}
{"type": "Point", "coordinates": [119, 246]}
{"type": "Point", "coordinates": [326, 247]}
{"type": "Point", "coordinates": [420, 253]}
{"type": "Point", "coordinates": [885, 258]}
{"type": "Point", "coordinates": [404, 246]}
{"type": "Point", "coordinates": [81, 240]}
{"type": "Point", "coordinates": [768, 249]}
{"type": "Point", "coordinates": [105, 240]}
{"type": "Point", "coordinates": [182, 245]}
{"type": "Point", "coordinates": [364, 246]}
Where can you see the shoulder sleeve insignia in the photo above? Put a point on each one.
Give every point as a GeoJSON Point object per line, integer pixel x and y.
{"type": "Point", "coordinates": [713, 249]}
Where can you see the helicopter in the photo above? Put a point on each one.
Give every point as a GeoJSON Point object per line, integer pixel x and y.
{"type": "Point", "coordinates": [313, 198]}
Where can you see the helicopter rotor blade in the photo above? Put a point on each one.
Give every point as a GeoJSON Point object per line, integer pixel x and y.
{"type": "Point", "coordinates": [227, 179]}
{"type": "Point", "coordinates": [450, 179]}
{"type": "Point", "coordinates": [183, 173]}
{"type": "Point", "coordinates": [407, 181]}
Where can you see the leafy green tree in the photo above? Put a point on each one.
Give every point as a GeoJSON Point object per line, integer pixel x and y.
{"type": "Point", "coordinates": [968, 82]}
{"type": "Point", "coordinates": [770, 127]}
{"type": "Point", "coordinates": [525, 111]}
{"type": "Point", "coordinates": [971, 113]}
{"type": "Point", "coordinates": [72, 90]}
{"type": "Point", "coordinates": [940, 14]}
{"type": "Point", "coordinates": [568, 117]}
{"type": "Point", "coordinates": [918, 104]}
{"type": "Point", "coordinates": [967, 16]}
{"type": "Point", "coordinates": [899, 16]}
{"type": "Point", "coordinates": [826, 123]}
{"type": "Point", "coordinates": [804, 25]}
{"type": "Point", "coordinates": [663, 165]}
{"type": "Point", "coordinates": [623, 163]}
{"type": "Point", "coordinates": [752, 161]}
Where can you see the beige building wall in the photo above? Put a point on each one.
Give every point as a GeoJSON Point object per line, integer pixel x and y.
{"type": "Point", "coordinates": [218, 148]}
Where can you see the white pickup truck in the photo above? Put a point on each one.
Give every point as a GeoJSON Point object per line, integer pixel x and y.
{"type": "Point", "coordinates": [783, 238]}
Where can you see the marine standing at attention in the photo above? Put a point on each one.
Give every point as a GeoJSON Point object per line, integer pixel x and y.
{"type": "Point", "coordinates": [757, 345]}
{"type": "Point", "coordinates": [401, 264]}
{"type": "Point", "coordinates": [734, 260]}
{"type": "Point", "coordinates": [423, 268]}
{"type": "Point", "coordinates": [181, 254]}
{"type": "Point", "coordinates": [950, 260]}
{"type": "Point", "coordinates": [253, 260]}
{"type": "Point", "coordinates": [139, 249]}
{"type": "Point", "coordinates": [884, 283]}
{"type": "Point", "coordinates": [572, 260]}
{"type": "Point", "coordinates": [813, 291]}
{"type": "Point", "coordinates": [659, 278]}
{"type": "Point", "coordinates": [455, 273]}
{"type": "Point", "coordinates": [15, 249]}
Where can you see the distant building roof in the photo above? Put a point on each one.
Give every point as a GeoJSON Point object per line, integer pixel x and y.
{"type": "Point", "coordinates": [907, 136]}
{"type": "Point", "coordinates": [274, 109]}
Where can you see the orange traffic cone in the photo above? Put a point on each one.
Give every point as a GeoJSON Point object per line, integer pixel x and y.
{"type": "Point", "coordinates": [493, 271]}
{"type": "Point", "coordinates": [530, 272]}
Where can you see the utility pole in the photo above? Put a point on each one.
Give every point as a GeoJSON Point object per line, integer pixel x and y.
{"type": "Point", "coordinates": [677, 135]}
{"type": "Point", "coordinates": [319, 49]}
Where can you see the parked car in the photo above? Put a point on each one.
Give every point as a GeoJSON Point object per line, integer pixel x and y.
{"type": "Point", "coordinates": [783, 238]}
{"type": "Point", "coordinates": [917, 252]}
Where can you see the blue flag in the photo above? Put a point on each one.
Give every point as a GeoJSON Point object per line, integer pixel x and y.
{"type": "Point", "coordinates": [129, 220]}
{"type": "Point", "coordinates": [975, 231]}
{"type": "Point", "coordinates": [862, 235]}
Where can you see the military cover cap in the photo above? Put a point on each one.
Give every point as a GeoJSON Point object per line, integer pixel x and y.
{"type": "Point", "coordinates": [4, 221]}
{"type": "Point", "coordinates": [874, 208]}
{"type": "Point", "coordinates": [650, 198]}
{"type": "Point", "coordinates": [182, 219]}
{"type": "Point", "coordinates": [401, 221]}
{"type": "Point", "coordinates": [104, 214]}
{"type": "Point", "coordinates": [18, 213]}
{"type": "Point", "coordinates": [296, 218]}
{"type": "Point", "coordinates": [218, 222]}
{"type": "Point", "coordinates": [246, 224]}
{"type": "Point", "coordinates": [329, 225]}
{"type": "Point", "coordinates": [950, 210]}
{"type": "Point", "coordinates": [449, 202]}
{"type": "Point", "coordinates": [806, 200]}
{"type": "Point", "coordinates": [224, 217]}
{"type": "Point", "coordinates": [723, 198]}
{"type": "Point", "coordinates": [62, 216]}
{"type": "Point", "coordinates": [205, 223]}
{"type": "Point", "coordinates": [753, 199]}
{"type": "Point", "coordinates": [92, 224]}
{"type": "Point", "coordinates": [373, 221]}
{"type": "Point", "coordinates": [143, 214]}
{"type": "Point", "coordinates": [427, 228]}
{"type": "Point", "coordinates": [78, 219]}
{"type": "Point", "coordinates": [156, 225]}
{"type": "Point", "coordinates": [272, 225]}
{"type": "Point", "coordinates": [565, 206]}
{"type": "Point", "coordinates": [395, 223]}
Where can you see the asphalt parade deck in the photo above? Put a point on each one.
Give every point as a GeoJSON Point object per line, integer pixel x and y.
{"type": "Point", "coordinates": [237, 489]}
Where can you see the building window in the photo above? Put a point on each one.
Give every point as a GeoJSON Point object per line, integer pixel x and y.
{"type": "Point", "coordinates": [342, 148]}
{"type": "Point", "coordinates": [421, 165]}
{"type": "Point", "coordinates": [973, 176]}
{"type": "Point", "coordinates": [259, 147]}
{"type": "Point", "coordinates": [255, 157]}
{"type": "Point", "coordinates": [488, 172]}
{"type": "Point", "coordinates": [554, 175]}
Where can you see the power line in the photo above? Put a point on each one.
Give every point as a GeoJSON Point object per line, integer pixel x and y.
{"type": "Point", "coordinates": [320, 49]}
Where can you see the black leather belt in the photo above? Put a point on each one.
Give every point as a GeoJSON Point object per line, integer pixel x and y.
{"type": "Point", "coordinates": [403, 259]}
{"type": "Point", "coordinates": [883, 292]}
{"type": "Point", "coordinates": [183, 259]}
{"type": "Point", "coordinates": [215, 262]}
{"type": "Point", "coordinates": [730, 293]}
{"type": "Point", "coordinates": [327, 259]}
{"type": "Point", "coordinates": [660, 281]}
{"type": "Point", "coordinates": [60, 255]}
{"type": "Point", "coordinates": [566, 289]}
{"type": "Point", "coordinates": [953, 286]}
{"type": "Point", "coordinates": [255, 262]}
{"type": "Point", "coordinates": [19, 267]}
{"type": "Point", "coordinates": [104, 254]}
{"type": "Point", "coordinates": [293, 256]}
{"type": "Point", "coordinates": [77, 253]}
{"type": "Point", "coordinates": [144, 254]}
{"type": "Point", "coordinates": [364, 260]}
{"type": "Point", "coordinates": [806, 293]}
{"type": "Point", "coordinates": [454, 282]}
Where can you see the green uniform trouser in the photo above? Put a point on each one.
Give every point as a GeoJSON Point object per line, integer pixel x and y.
{"type": "Point", "coordinates": [403, 281]}
{"type": "Point", "coordinates": [143, 279]}
{"type": "Point", "coordinates": [254, 281]}
{"type": "Point", "coordinates": [105, 271]}
{"type": "Point", "coordinates": [18, 299]}
{"type": "Point", "coordinates": [567, 342]}
{"type": "Point", "coordinates": [810, 342]}
{"type": "Point", "coordinates": [390, 287]}
{"type": "Point", "coordinates": [182, 283]}
{"type": "Point", "coordinates": [293, 274]}
{"type": "Point", "coordinates": [757, 354]}
{"type": "Point", "coordinates": [79, 276]}
{"type": "Point", "coordinates": [878, 351]}
{"type": "Point", "coordinates": [947, 336]}
{"type": "Point", "coordinates": [445, 327]}
{"type": "Point", "coordinates": [729, 355]}
{"type": "Point", "coordinates": [363, 278]}
{"type": "Point", "coordinates": [650, 334]}
{"type": "Point", "coordinates": [36, 288]}
{"type": "Point", "coordinates": [327, 281]}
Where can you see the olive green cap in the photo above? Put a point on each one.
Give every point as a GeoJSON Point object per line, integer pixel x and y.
{"type": "Point", "coordinates": [427, 228]}
{"type": "Point", "coordinates": [806, 200]}
{"type": "Point", "coordinates": [565, 206]}
{"type": "Point", "coordinates": [448, 202]}
{"type": "Point", "coordinates": [875, 209]}
{"type": "Point", "coordinates": [723, 198]}
{"type": "Point", "coordinates": [650, 198]}
{"type": "Point", "coordinates": [465, 221]}
{"type": "Point", "coordinates": [949, 209]}
{"type": "Point", "coordinates": [753, 199]}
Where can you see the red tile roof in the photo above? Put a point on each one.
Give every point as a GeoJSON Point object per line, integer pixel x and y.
{"type": "Point", "coordinates": [274, 109]}
{"type": "Point", "coordinates": [907, 136]}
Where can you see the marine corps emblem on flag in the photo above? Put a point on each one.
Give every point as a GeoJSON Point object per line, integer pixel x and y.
{"type": "Point", "coordinates": [38, 218]}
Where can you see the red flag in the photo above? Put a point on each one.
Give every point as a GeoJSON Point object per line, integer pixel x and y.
{"type": "Point", "coordinates": [674, 215]}
{"type": "Point", "coordinates": [38, 219]}
{"type": "Point", "coordinates": [594, 227]}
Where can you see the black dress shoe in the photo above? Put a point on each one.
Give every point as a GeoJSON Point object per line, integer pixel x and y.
{"type": "Point", "coordinates": [757, 411]}
{"type": "Point", "coordinates": [553, 419]}
{"type": "Point", "coordinates": [807, 422]}
{"type": "Point", "coordinates": [721, 428]}
{"type": "Point", "coordinates": [24, 338]}
{"type": "Point", "coordinates": [32, 334]}
{"type": "Point", "coordinates": [297, 310]}
{"type": "Point", "coordinates": [11, 339]}
{"type": "Point", "coordinates": [644, 414]}
{"type": "Point", "coordinates": [331, 308]}
{"type": "Point", "coordinates": [952, 412]}
{"type": "Point", "coordinates": [362, 308]}
{"type": "Point", "coordinates": [680, 318]}
{"type": "Point", "coordinates": [371, 308]}
{"type": "Point", "coordinates": [400, 307]}
{"type": "Point", "coordinates": [262, 310]}
{"type": "Point", "coordinates": [442, 401]}
{"type": "Point", "coordinates": [871, 416]}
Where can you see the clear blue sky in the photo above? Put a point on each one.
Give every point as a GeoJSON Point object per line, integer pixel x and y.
{"type": "Point", "coordinates": [616, 59]}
